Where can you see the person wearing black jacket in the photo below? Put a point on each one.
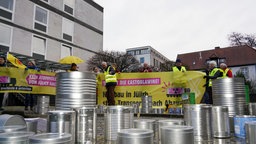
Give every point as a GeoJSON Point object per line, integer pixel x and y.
{"type": "Point", "coordinates": [214, 73]}
{"type": "Point", "coordinates": [2, 64]}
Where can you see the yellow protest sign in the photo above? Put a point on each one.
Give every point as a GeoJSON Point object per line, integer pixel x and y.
{"type": "Point", "coordinates": [160, 85]}
{"type": "Point", "coordinates": [27, 81]}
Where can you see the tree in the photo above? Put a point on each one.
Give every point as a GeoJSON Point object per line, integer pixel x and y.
{"type": "Point", "coordinates": [124, 62]}
{"type": "Point", "coordinates": [238, 39]}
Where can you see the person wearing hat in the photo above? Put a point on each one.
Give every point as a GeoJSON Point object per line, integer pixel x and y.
{"type": "Point", "coordinates": [29, 98]}
{"type": "Point", "coordinates": [178, 66]}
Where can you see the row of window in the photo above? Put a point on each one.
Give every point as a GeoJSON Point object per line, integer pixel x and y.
{"type": "Point", "coordinates": [39, 44]}
{"type": "Point", "coordinates": [139, 52]}
{"type": "Point", "coordinates": [41, 16]}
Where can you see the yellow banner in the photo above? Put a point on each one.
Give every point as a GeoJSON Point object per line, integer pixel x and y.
{"type": "Point", "coordinates": [164, 87]}
{"type": "Point", "coordinates": [27, 81]}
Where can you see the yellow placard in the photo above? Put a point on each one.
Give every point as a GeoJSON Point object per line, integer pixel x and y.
{"type": "Point", "coordinates": [27, 81]}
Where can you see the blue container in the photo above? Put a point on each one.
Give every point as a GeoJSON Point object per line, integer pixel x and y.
{"type": "Point", "coordinates": [239, 124]}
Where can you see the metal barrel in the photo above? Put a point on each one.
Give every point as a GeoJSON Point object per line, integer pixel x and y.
{"type": "Point", "coordinates": [135, 136]}
{"type": "Point", "coordinates": [75, 89]}
{"type": "Point", "coordinates": [136, 107]}
{"type": "Point", "coordinates": [43, 103]}
{"type": "Point", "coordinates": [32, 124]}
{"type": "Point", "coordinates": [230, 92]}
{"type": "Point", "coordinates": [199, 116]}
{"type": "Point", "coordinates": [220, 124]}
{"type": "Point", "coordinates": [8, 120]}
{"type": "Point", "coordinates": [62, 122]}
{"type": "Point", "coordinates": [252, 108]}
{"type": "Point", "coordinates": [157, 111]}
{"type": "Point", "coordinates": [19, 137]}
{"type": "Point", "coordinates": [168, 122]}
{"type": "Point", "coordinates": [86, 118]}
{"type": "Point", "coordinates": [51, 138]}
{"type": "Point", "coordinates": [146, 124]}
{"type": "Point", "coordinates": [239, 124]}
{"type": "Point", "coordinates": [250, 132]}
{"type": "Point", "coordinates": [177, 134]}
{"type": "Point", "coordinates": [116, 118]}
{"type": "Point", "coordinates": [146, 102]}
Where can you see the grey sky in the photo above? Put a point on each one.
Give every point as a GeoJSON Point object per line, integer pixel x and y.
{"type": "Point", "coordinates": [175, 26]}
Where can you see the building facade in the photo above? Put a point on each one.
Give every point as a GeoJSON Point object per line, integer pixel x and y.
{"type": "Point", "coordinates": [149, 55]}
{"type": "Point", "coordinates": [48, 30]}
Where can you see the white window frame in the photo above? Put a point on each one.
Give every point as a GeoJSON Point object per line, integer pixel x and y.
{"type": "Point", "coordinates": [63, 19]}
{"type": "Point", "coordinates": [69, 6]}
{"type": "Point", "coordinates": [11, 11]}
{"type": "Point", "coordinates": [11, 34]}
{"type": "Point", "coordinates": [65, 45]}
{"type": "Point", "coordinates": [35, 21]}
{"type": "Point", "coordinates": [46, 43]}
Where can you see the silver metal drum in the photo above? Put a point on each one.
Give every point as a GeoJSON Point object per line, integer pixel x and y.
{"type": "Point", "coordinates": [252, 108]}
{"type": "Point", "coordinates": [31, 124]}
{"type": "Point", "coordinates": [43, 103]}
{"type": "Point", "coordinates": [135, 136]}
{"type": "Point", "coordinates": [200, 118]}
{"type": "Point", "coordinates": [168, 122]}
{"type": "Point", "coordinates": [220, 121]}
{"type": "Point", "coordinates": [62, 122]}
{"type": "Point", "coordinates": [250, 131]}
{"type": "Point", "coordinates": [116, 118]}
{"type": "Point", "coordinates": [51, 138]}
{"type": "Point", "coordinates": [146, 124]}
{"type": "Point", "coordinates": [86, 118]}
{"type": "Point", "coordinates": [230, 92]}
{"type": "Point", "coordinates": [177, 135]}
{"type": "Point", "coordinates": [20, 137]}
{"type": "Point", "coordinates": [75, 89]}
{"type": "Point", "coordinates": [8, 120]}
{"type": "Point", "coordinates": [146, 102]}
{"type": "Point", "coordinates": [157, 111]}
{"type": "Point", "coordinates": [136, 107]}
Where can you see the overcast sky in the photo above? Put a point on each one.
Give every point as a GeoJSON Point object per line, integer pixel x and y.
{"type": "Point", "coordinates": [175, 26]}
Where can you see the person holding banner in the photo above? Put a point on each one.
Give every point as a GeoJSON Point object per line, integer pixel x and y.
{"type": "Point", "coordinates": [2, 64]}
{"type": "Point", "coordinates": [29, 98]}
{"type": "Point", "coordinates": [178, 66]}
{"type": "Point", "coordinates": [214, 73]}
{"type": "Point", "coordinates": [111, 82]}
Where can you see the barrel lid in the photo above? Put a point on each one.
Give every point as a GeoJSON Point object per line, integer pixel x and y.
{"type": "Point", "coordinates": [245, 116]}
{"type": "Point", "coordinates": [15, 136]}
{"type": "Point", "coordinates": [144, 120]}
{"type": "Point", "coordinates": [61, 112]}
{"type": "Point", "coordinates": [13, 128]}
{"type": "Point", "coordinates": [51, 137]}
{"type": "Point", "coordinates": [177, 128]}
{"type": "Point", "coordinates": [134, 132]}
{"type": "Point", "coordinates": [171, 121]}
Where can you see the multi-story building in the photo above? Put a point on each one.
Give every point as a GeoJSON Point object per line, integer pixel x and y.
{"type": "Point", "coordinates": [48, 30]}
{"type": "Point", "coordinates": [149, 55]}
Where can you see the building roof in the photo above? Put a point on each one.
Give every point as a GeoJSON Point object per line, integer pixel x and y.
{"type": "Point", "coordinates": [235, 56]}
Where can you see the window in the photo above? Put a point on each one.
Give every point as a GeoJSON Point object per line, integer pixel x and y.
{"type": "Point", "coordinates": [245, 71]}
{"type": "Point", "coordinates": [142, 60]}
{"type": "Point", "coordinates": [39, 45]}
{"type": "Point", "coordinates": [137, 52]}
{"type": "Point", "coordinates": [69, 6]}
{"type": "Point", "coordinates": [130, 52]}
{"type": "Point", "coordinates": [41, 16]}
{"type": "Point", "coordinates": [67, 29]}
{"type": "Point", "coordinates": [5, 37]}
{"type": "Point", "coordinates": [144, 51]}
{"type": "Point", "coordinates": [6, 9]}
{"type": "Point", "coordinates": [65, 51]}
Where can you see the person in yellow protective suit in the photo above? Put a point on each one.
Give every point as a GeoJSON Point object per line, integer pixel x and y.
{"type": "Point", "coordinates": [178, 66]}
